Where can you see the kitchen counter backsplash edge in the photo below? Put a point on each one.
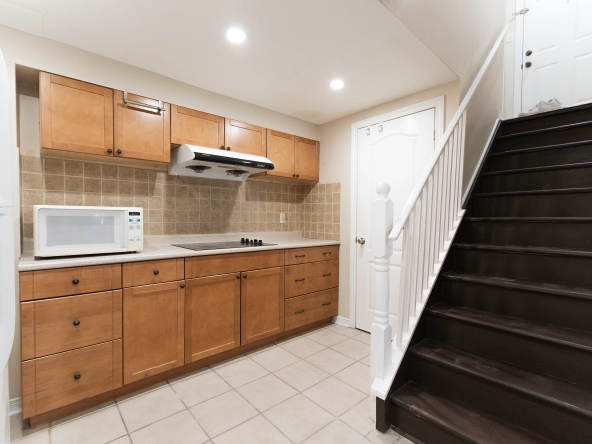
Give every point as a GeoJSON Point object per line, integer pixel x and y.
{"type": "Point", "coordinates": [159, 247]}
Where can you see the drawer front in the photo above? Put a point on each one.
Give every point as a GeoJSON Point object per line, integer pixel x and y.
{"type": "Point", "coordinates": [153, 272]}
{"type": "Point", "coordinates": [311, 254]}
{"type": "Point", "coordinates": [56, 325]}
{"type": "Point", "coordinates": [231, 263]}
{"type": "Point", "coordinates": [304, 310]}
{"type": "Point", "coordinates": [65, 378]}
{"type": "Point", "coordinates": [308, 278]}
{"type": "Point", "coordinates": [44, 284]}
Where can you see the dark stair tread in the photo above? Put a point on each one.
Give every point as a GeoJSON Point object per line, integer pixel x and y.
{"type": "Point", "coordinates": [566, 110]}
{"type": "Point", "coordinates": [521, 284]}
{"type": "Point", "coordinates": [567, 166]}
{"type": "Point", "coordinates": [526, 250]}
{"type": "Point", "coordinates": [543, 388]}
{"type": "Point", "coordinates": [546, 130]}
{"type": "Point", "coordinates": [528, 219]}
{"type": "Point", "coordinates": [467, 424]}
{"type": "Point", "coordinates": [560, 336]}
{"type": "Point", "coordinates": [541, 148]}
{"type": "Point", "coordinates": [534, 192]}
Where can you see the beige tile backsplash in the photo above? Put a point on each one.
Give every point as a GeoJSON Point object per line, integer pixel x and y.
{"type": "Point", "coordinates": [181, 205]}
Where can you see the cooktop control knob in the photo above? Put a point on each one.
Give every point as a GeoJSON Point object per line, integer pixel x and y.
{"type": "Point", "coordinates": [260, 242]}
{"type": "Point", "coordinates": [242, 240]}
{"type": "Point", "coordinates": [246, 241]}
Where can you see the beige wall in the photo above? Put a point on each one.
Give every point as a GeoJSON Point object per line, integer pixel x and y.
{"type": "Point", "coordinates": [459, 32]}
{"type": "Point", "coordinates": [335, 140]}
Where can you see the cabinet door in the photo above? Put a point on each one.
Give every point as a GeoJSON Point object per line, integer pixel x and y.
{"type": "Point", "coordinates": [212, 315]}
{"type": "Point", "coordinates": [196, 128]}
{"type": "Point", "coordinates": [245, 138]}
{"type": "Point", "coordinates": [262, 304]}
{"type": "Point", "coordinates": [280, 150]}
{"type": "Point", "coordinates": [153, 325]}
{"type": "Point", "coordinates": [306, 158]}
{"type": "Point", "coordinates": [75, 116]}
{"type": "Point", "coordinates": [141, 132]}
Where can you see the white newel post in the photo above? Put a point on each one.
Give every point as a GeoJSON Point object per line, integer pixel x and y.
{"type": "Point", "coordinates": [382, 249]}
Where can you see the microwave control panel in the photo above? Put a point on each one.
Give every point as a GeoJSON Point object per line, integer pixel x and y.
{"type": "Point", "coordinates": [135, 226]}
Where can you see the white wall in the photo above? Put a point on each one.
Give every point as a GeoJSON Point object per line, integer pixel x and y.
{"type": "Point", "coordinates": [460, 32]}
{"type": "Point", "coordinates": [335, 138]}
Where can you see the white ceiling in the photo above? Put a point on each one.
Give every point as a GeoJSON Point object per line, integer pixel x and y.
{"type": "Point", "coordinates": [293, 49]}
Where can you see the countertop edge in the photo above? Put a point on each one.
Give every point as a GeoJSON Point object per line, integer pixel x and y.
{"type": "Point", "coordinates": [28, 263]}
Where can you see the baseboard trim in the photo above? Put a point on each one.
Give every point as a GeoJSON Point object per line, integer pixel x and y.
{"type": "Point", "coordinates": [340, 320]}
{"type": "Point", "coordinates": [15, 406]}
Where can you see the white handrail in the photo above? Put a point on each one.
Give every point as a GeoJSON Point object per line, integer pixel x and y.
{"type": "Point", "coordinates": [400, 223]}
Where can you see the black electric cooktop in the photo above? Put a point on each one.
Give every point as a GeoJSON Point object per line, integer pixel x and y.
{"type": "Point", "coordinates": [243, 243]}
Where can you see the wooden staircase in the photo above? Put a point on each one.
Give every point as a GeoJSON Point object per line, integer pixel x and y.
{"type": "Point", "coordinates": [503, 351]}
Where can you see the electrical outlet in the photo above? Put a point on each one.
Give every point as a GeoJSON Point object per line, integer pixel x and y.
{"type": "Point", "coordinates": [282, 218]}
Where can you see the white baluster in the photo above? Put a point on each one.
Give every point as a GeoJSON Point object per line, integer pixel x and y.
{"type": "Point", "coordinates": [382, 249]}
{"type": "Point", "coordinates": [461, 160]}
{"type": "Point", "coordinates": [428, 265]}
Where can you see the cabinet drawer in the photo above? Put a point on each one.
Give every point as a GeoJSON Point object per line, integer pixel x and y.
{"type": "Point", "coordinates": [56, 325]}
{"type": "Point", "coordinates": [43, 284]}
{"type": "Point", "coordinates": [304, 310]}
{"type": "Point", "coordinates": [311, 254]}
{"type": "Point", "coordinates": [65, 378]}
{"type": "Point", "coordinates": [308, 278]}
{"type": "Point", "coordinates": [231, 263]}
{"type": "Point", "coordinates": [153, 272]}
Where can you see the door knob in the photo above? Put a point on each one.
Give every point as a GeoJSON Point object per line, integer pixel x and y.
{"type": "Point", "coordinates": [361, 240]}
{"type": "Point", "coordinates": [528, 64]}
{"type": "Point", "coordinates": [529, 52]}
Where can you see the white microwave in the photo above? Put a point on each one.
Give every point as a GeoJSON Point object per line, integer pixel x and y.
{"type": "Point", "coordinates": [70, 231]}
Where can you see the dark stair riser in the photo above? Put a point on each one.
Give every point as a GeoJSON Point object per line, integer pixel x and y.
{"type": "Point", "coordinates": [544, 268]}
{"type": "Point", "coordinates": [532, 205]}
{"type": "Point", "coordinates": [544, 234]}
{"type": "Point", "coordinates": [573, 134]}
{"type": "Point", "coordinates": [533, 306]}
{"type": "Point", "coordinates": [555, 118]}
{"type": "Point", "coordinates": [561, 362]}
{"type": "Point", "coordinates": [539, 158]}
{"type": "Point", "coordinates": [536, 180]}
{"type": "Point", "coordinates": [407, 423]}
{"type": "Point", "coordinates": [540, 418]}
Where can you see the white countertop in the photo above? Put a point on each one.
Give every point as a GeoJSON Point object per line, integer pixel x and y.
{"type": "Point", "coordinates": [159, 247]}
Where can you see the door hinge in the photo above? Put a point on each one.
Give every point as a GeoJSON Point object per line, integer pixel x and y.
{"type": "Point", "coordinates": [521, 12]}
{"type": "Point", "coordinates": [434, 134]}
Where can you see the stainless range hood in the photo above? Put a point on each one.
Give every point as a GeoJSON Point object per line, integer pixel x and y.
{"type": "Point", "coordinates": [210, 163]}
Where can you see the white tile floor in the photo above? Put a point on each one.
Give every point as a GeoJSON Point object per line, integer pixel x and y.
{"type": "Point", "coordinates": [310, 389]}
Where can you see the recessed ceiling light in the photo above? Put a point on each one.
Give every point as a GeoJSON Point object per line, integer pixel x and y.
{"type": "Point", "coordinates": [236, 36]}
{"type": "Point", "coordinates": [336, 84]}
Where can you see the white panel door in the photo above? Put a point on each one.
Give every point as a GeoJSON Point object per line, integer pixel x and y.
{"type": "Point", "coordinates": [559, 35]}
{"type": "Point", "coordinates": [396, 152]}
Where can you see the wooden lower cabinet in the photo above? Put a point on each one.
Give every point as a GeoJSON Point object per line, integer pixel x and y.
{"type": "Point", "coordinates": [153, 326]}
{"type": "Point", "coordinates": [262, 304]}
{"type": "Point", "coordinates": [212, 315]}
{"type": "Point", "coordinates": [65, 378]}
{"type": "Point", "coordinates": [312, 307]}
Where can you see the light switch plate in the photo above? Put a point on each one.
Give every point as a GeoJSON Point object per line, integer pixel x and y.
{"type": "Point", "coordinates": [282, 218]}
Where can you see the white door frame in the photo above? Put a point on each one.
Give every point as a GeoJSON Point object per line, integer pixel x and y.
{"type": "Point", "coordinates": [438, 104]}
{"type": "Point", "coordinates": [518, 51]}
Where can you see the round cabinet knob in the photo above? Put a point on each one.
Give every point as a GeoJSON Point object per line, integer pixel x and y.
{"type": "Point", "coordinates": [76, 323]}
{"type": "Point", "coordinates": [75, 281]}
{"type": "Point", "coordinates": [77, 376]}
{"type": "Point", "coordinates": [238, 276]}
{"type": "Point", "coordinates": [222, 147]}
{"type": "Point", "coordinates": [227, 148]}
{"type": "Point", "coordinates": [245, 276]}
{"type": "Point", "coordinates": [110, 151]}
{"type": "Point", "coordinates": [119, 151]}
{"type": "Point", "coordinates": [182, 285]}
{"type": "Point", "coordinates": [297, 176]}
{"type": "Point", "coordinates": [528, 64]}
{"type": "Point", "coordinates": [156, 272]}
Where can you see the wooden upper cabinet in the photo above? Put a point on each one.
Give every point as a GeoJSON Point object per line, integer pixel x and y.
{"type": "Point", "coordinates": [262, 304]}
{"type": "Point", "coordinates": [153, 326]}
{"type": "Point", "coordinates": [212, 315]}
{"type": "Point", "coordinates": [75, 116]}
{"type": "Point", "coordinates": [141, 129]}
{"type": "Point", "coordinates": [196, 128]}
{"type": "Point", "coordinates": [306, 159]}
{"type": "Point", "coordinates": [280, 150]}
{"type": "Point", "coordinates": [245, 138]}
